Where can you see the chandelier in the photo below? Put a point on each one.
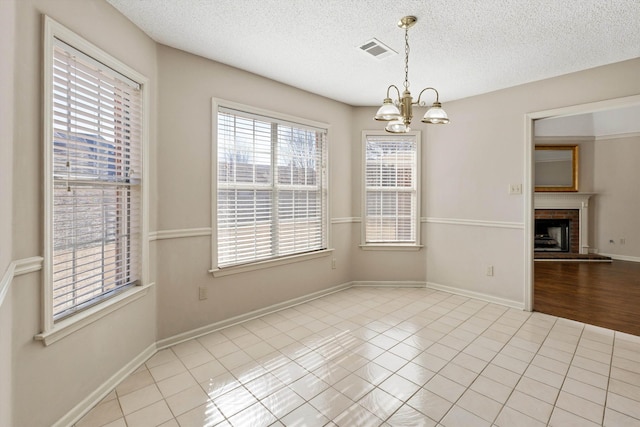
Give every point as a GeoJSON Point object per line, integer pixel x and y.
{"type": "Point", "coordinates": [399, 112]}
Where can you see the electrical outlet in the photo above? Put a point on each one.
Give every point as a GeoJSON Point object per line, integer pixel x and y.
{"type": "Point", "coordinates": [490, 270]}
{"type": "Point", "coordinates": [515, 188]}
{"type": "Point", "coordinates": [202, 293]}
{"type": "Point", "coordinates": [333, 263]}
{"type": "Point", "coordinates": [623, 241]}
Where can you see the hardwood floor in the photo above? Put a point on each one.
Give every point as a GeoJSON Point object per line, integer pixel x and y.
{"type": "Point", "coordinates": [601, 294]}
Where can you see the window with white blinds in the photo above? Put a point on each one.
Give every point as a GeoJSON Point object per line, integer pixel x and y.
{"type": "Point", "coordinates": [391, 196]}
{"type": "Point", "coordinates": [95, 182]}
{"type": "Point", "coordinates": [271, 188]}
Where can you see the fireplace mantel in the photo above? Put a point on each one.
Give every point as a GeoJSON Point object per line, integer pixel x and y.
{"type": "Point", "coordinates": [579, 201]}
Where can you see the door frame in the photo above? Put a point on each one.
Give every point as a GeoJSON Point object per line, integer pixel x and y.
{"type": "Point", "coordinates": [529, 178]}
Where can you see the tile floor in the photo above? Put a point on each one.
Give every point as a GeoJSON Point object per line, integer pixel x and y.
{"type": "Point", "coordinates": [389, 357]}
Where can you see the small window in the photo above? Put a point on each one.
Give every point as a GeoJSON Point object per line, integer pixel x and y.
{"type": "Point", "coordinates": [271, 187]}
{"type": "Point", "coordinates": [391, 195]}
{"type": "Point", "coordinates": [93, 178]}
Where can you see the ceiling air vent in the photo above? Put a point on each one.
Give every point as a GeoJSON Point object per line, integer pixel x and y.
{"type": "Point", "coordinates": [377, 49]}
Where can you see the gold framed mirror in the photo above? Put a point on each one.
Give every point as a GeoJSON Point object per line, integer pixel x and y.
{"type": "Point", "coordinates": [556, 168]}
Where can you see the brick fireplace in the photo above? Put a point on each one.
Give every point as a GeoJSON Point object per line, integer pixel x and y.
{"type": "Point", "coordinates": [555, 217]}
{"type": "Point", "coordinates": [570, 206]}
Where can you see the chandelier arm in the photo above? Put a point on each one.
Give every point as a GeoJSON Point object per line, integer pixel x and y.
{"type": "Point", "coordinates": [397, 90]}
{"type": "Point", "coordinates": [427, 88]}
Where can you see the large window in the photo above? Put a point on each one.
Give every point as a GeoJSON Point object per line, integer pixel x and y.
{"type": "Point", "coordinates": [93, 178]}
{"type": "Point", "coordinates": [271, 187]}
{"type": "Point", "coordinates": [391, 195]}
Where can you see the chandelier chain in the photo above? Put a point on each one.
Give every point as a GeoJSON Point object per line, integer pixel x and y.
{"type": "Point", "coordinates": [406, 58]}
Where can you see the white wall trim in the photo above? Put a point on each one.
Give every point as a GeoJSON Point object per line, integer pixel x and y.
{"type": "Point", "coordinates": [28, 265]}
{"type": "Point", "coordinates": [7, 278]}
{"type": "Point", "coordinates": [621, 257]}
{"type": "Point", "coordinates": [618, 136]}
{"type": "Point", "coordinates": [179, 233]}
{"type": "Point", "coordinates": [346, 220]}
{"type": "Point", "coordinates": [18, 268]}
{"type": "Point", "coordinates": [474, 223]}
{"type": "Point", "coordinates": [198, 332]}
{"type": "Point", "coordinates": [477, 295]}
{"type": "Point", "coordinates": [98, 394]}
{"type": "Point", "coordinates": [563, 138]}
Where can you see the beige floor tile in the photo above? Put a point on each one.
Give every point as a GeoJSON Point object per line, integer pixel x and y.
{"type": "Point", "coordinates": [150, 416]}
{"type": "Point", "coordinates": [254, 415]}
{"type": "Point", "coordinates": [624, 405]}
{"type": "Point", "coordinates": [363, 355]}
{"type": "Point", "coordinates": [459, 417]}
{"type": "Point", "coordinates": [444, 387]}
{"type": "Point", "coordinates": [282, 402]}
{"type": "Point", "coordinates": [186, 400]}
{"type": "Point", "coordinates": [356, 415]}
{"type": "Point", "coordinates": [331, 403]}
{"type": "Point", "coordinates": [206, 415]}
{"type": "Point", "coordinates": [166, 370]}
{"type": "Point", "coordinates": [305, 416]}
{"type": "Point", "coordinates": [586, 391]}
{"type": "Point", "coordinates": [134, 382]}
{"type": "Point", "coordinates": [380, 403]}
{"type": "Point", "coordinates": [509, 417]}
{"type": "Point", "coordinates": [399, 387]}
{"type": "Point", "coordinates": [102, 414]}
{"type": "Point", "coordinates": [140, 398]}
{"type": "Point", "coordinates": [197, 358]}
{"type": "Point", "coordinates": [176, 383]}
{"type": "Point", "coordinates": [562, 418]}
{"type": "Point", "coordinates": [234, 401]}
{"type": "Point", "coordinates": [160, 358]}
{"type": "Point", "coordinates": [480, 405]}
{"type": "Point", "coordinates": [579, 406]}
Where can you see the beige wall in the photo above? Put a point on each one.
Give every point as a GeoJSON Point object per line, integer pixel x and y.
{"type": "Point", "coordinates": [186, 85]}
{"type": "Point", "coordinates": [468, 166]}
{"type": "Point", "coordinates": [49, 381]}
{"type": "Point", "coordinates": [7, 53]}
{"type": "Point", "coordinates": [617, 202]}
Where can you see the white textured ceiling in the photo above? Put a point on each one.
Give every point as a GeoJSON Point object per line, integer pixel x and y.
{"type": "Point", "coordinates": [462, 47]}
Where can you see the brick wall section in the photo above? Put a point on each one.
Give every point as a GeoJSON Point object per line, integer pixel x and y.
{"type": "Point", "coordinates": [573, 215]}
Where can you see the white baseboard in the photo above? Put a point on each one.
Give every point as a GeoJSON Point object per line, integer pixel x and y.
{"type": "Point", "coordinates": [622, 257]}
{"type": "Point", "coordinates": [476, 295]}
{"type": "Point", "coordinates": [198, 332]}
{"type": "Point", "coordinates": [98, 394]}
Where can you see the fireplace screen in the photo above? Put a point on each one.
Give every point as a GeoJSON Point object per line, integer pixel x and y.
{"type": "Point", "coordinates": [552, 235]}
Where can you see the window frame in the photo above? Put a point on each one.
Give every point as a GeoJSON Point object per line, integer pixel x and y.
{"type": "Point", "coordinates": [55, 330]}
{"type": "Point", "coordinates": [392, 245]}
{"type": "Point", "coordinates": [218, 271]}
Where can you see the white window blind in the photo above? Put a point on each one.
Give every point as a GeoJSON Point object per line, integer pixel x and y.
{"type": "Point", "coordinates": [97, 169]}
{"type": "Point", "coordinates": [391, 189]}
{"type": "Point", "coordinates": [271, 191]}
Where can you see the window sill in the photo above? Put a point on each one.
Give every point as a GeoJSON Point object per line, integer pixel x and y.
{"type": "Point", "coordinates": [390, 247]}
{"type": "Point", "coordinates": [74, 323]}
{"type": "Point", "coordinates": [226, 271]}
